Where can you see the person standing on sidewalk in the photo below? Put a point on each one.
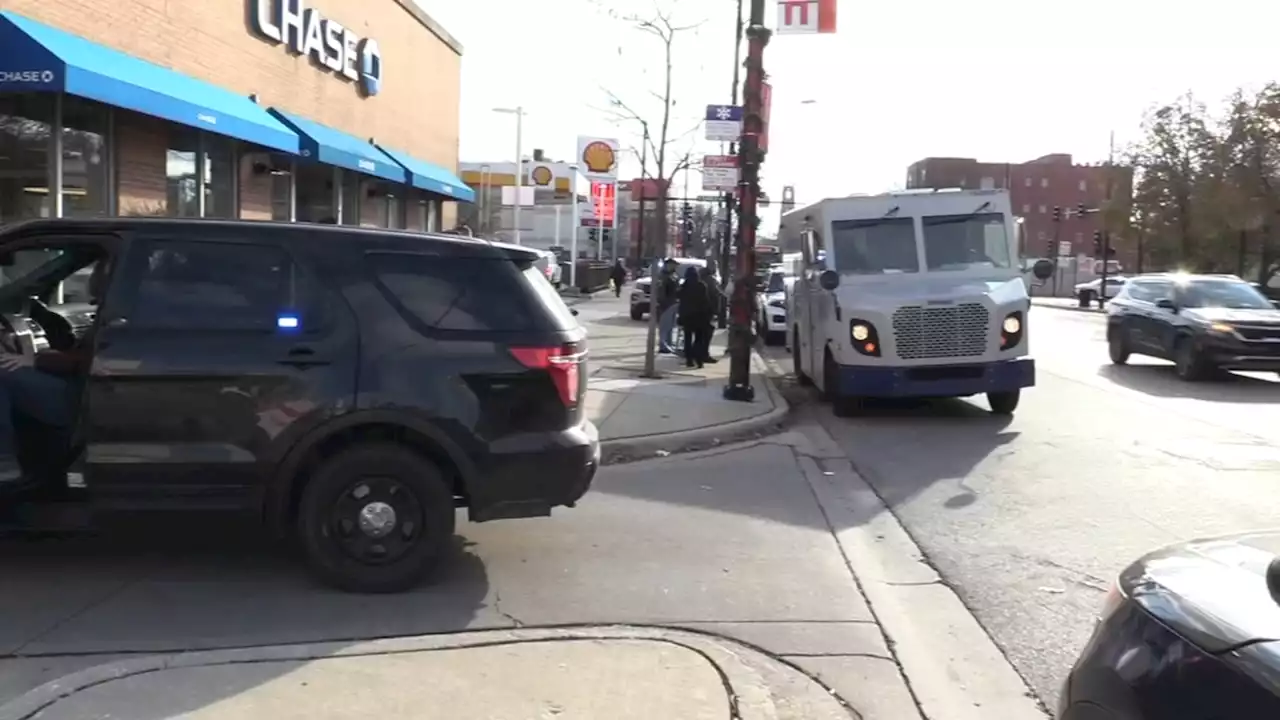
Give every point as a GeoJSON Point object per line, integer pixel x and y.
{"type": "Point", "coordinates": [618, 276]}
{"type": "Point", "coordinates": [716, 297]}
{"type": "Point", "coordinates": [696, 313]}
{"type": "Point", "coordinates": [668, 298]}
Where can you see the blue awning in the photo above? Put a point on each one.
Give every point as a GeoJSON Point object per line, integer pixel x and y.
{"type": "Point", "coordinates": [35, 57]}
{"type": "Point", "coordinates": [432, 178]}
{"type": "Point", "coordinates": [334, 147]}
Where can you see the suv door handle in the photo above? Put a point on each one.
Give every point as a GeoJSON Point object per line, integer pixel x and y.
{"type": "Point", "coordinates": [302, 356]}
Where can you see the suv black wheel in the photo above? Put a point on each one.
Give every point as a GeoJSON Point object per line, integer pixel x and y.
{"type": "Point", "coordinates": [376, 518]}
{"type": "Point", "coordinates": [1188, 362]}
{"type": "Point", "coordinates": [1117, 346]}
{"type": "Point", "coordinates": [1085, 298]}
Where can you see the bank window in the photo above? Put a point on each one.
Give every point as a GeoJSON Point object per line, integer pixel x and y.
{"type": "Point", "coordinates": [219, 180]}
{"type": "Point", "coordinates": [213, 286]}
{"type": "Point", "coordinates": [181, 182]}
{"type": "Point", "coordinates": [86, 177]}
{"type": "Point", "coordinates": [26, 122]}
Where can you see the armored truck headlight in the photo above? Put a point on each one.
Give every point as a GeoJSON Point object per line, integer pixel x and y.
{"type": "Point", "coordinates": [860, 332]}
{"type": "Point", "coordinates": [1012, 325]}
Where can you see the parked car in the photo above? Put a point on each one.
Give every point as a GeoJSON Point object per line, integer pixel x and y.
{"type": "Point", "coordinates": [1189, 632]}
{"type": "Point", "coordinates": [549, 264]}
{"type": "Point", "coordinates": [351, 387]}
{"type": "Point", "coordinates": [1203, 323]}
{"type": "Point", "coordinates": [771, 315]}
{"type": "Point", "coordinates": [643, 286]}
{"type": "Point", "coordinates": [1087, 292]}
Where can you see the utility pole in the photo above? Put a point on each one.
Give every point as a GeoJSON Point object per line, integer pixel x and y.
{"type": "Point", "coordinates": [727, 237]}
{"type": "Point", "coordinates": [1106, 234]}
{"type": "Point", "coordinates": [1056, 249]}
{"type": "Point", "coordinates": [742, 303]}
{"type": "Point", "coordinates": [655, 287]}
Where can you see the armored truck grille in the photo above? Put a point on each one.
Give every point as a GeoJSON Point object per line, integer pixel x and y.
{"type": "Point", "coordinates": [940, 332]}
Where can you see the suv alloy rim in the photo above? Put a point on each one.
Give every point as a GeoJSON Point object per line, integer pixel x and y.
{"type": "Point", "coordinates": [376, 521]}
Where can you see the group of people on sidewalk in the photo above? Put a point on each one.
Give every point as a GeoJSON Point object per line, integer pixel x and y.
{"type": "Point", "coordinates": [691, 303]}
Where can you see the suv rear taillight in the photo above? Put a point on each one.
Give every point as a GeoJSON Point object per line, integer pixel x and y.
{"type": "Point", "coordinates": [562, 362]}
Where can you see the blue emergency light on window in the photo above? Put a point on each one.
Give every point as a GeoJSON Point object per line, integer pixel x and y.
{"type": "Point", "coordinates": [285, 321]}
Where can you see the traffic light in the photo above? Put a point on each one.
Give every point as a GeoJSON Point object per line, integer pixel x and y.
{"type": "Point", "coordinates": [686, 215]}
{"type": "Point", "coordinates": [593, 234]}
{"type": "Point", "coordinates": [1097, 243]}
{"type": "Point", "coordinates": [1057, 214]}
{"type": "Point", "coordinates": [1080, 210]}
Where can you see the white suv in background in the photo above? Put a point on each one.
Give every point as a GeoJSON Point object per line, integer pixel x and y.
{"type": "Point", "coordinates": [771, 320]}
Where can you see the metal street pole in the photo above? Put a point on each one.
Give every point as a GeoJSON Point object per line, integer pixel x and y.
{"type": "Point", "coordinates": [727, 237]}
{"type": "Point", "coordinates": [1106, 234]}
{"type": "Point", "coordinates": [575, 225]}
{"type": "Point", "coordinates": [655, 288]}
{"type": "Point", "coordinates": [518, 111]}
{"type": "Point", "coordinates": [742, 303]}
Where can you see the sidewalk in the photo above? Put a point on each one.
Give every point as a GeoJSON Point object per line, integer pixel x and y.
{"type": "Point", "coordinates": [683, 407]}
{"type": "Point", "coordinates": [614, 672]}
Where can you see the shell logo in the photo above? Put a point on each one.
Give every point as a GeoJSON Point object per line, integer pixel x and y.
{"type": "Point", "coordinates": [541, 175]}
{"type": "Point", "coordinates": [598, 157]}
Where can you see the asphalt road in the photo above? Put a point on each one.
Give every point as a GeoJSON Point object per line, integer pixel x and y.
{"type": "Point", "coordinates": [1030, 519]}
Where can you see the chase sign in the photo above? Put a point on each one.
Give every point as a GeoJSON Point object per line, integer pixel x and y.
{"type": "Point", "coordinates": [330, 45]}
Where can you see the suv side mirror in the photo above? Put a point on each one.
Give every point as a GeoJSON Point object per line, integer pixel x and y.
{"type": "Point", "coordinates": [1042, 270]}
{"type": "Point", "coordinates": [1166, 304]}
{"type": "Point", "coordinates": [829, 280]}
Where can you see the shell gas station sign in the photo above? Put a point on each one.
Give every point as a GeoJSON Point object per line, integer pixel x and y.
{"type": "Point", "coordinates": [550, 176]}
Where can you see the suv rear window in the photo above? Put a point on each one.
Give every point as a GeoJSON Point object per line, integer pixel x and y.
{"type": "Point", "coordinates": [470, 294]}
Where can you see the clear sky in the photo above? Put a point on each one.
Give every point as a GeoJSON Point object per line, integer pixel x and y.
{"type": "Point", "coordinates": [997, 80]}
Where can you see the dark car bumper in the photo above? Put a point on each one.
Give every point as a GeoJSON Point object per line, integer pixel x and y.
{"type": "Point", "coordinates": [937, 380]}
{"type": "Point", "coordinates": [1230, 353]}
{"type": "Point", "coordinates": [528, 475]}
{"type": "Point", "coordinates": [1136, 668]}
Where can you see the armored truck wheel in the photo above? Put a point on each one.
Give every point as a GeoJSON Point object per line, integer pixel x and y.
{"type": "Point", "coordinates": [1004, 403]}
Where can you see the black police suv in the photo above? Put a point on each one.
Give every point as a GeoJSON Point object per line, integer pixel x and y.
{"type": "Point", "coordinates": [1189, 632]}
{"type": "Point", "coordinates": [351, 386]}
{"type": "Point", "coordinates": [1203, 323]}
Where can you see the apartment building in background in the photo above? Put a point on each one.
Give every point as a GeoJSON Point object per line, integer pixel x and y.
{"type": "Point", "coordinates": [1035, 188]}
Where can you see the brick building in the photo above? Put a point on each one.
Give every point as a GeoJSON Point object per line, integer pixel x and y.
{"type": "Point", "coordinates": [1035, 188]}
{"type": "Point", "coordinates": [307, 110]}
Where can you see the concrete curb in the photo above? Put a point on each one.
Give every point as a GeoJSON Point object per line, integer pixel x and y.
{"type": "Point", "coordinates": [953, 668]}
{"type": "Point", "coordinates": [673, 442]}
{"type": "Point", "coordinates": [758, 686]}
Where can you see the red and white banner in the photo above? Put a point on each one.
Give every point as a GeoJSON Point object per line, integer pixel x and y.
{"type": "Point", "coordinates": [806, 17]}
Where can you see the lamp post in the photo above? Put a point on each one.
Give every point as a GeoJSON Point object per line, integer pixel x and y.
{"type": "Point", "coordinates": [518, 111]}
{"type": "Point", "coordinates": [574, 223]}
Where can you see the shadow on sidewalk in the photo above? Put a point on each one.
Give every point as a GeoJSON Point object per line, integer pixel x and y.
{"type": "Point", "coordinates": [203, 584]}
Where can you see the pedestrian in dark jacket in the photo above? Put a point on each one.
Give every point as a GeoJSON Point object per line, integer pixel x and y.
{"type": "Point", "coordinates": [695, 317]}
{"type": "Point", "coordinates": [717, 301]}
{"type": "Point", "coordinates": [619, 276]}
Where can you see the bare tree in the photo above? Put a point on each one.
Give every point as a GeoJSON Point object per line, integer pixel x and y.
{"type": "Point", "coordinates": [658, 146]}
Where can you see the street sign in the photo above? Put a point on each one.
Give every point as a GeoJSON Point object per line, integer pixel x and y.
{"type": "Point", "coordinates": [806, 17]}
{"type": "Point", "coordinates": [720, 172]}
{"type": "Point", "coordinates": [724, 123]}
{"type": "Point", "coordinates": [1064, 248]}
{"type": "Point", "coordinates": [710, 198]}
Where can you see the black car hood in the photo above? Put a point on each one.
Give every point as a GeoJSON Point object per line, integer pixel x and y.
{"type": "Point", "coordinates": [1258, 316]}
{"type": "Point", "coordinates": [1213, 592]}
